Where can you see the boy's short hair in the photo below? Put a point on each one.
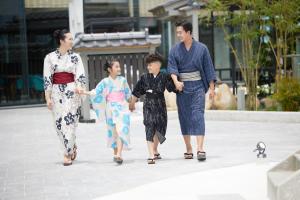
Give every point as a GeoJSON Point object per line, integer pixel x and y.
{"type": "Point", "coordinates": [154, 58]}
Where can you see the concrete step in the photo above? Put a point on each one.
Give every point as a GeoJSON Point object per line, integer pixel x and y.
{"type": "Point", "coordinates": [284, 179]}
{"type": "Point", "coordinates": [275, 179]}
{"type": "Point", "coordinates": [297, 156]}
{"type": "Point", "coordinates": [278, 177]}
{"type": "Point", "coordinates": [292, 163]}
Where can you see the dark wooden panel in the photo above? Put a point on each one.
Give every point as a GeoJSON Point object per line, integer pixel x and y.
{"type": "Point", "coordinates": [134, 64]}
{"type": "Point", "coordinates": [141, 65]}
{"type": "Point", "coordinates": [97, 70]}
{"type": "Point", "coordinates": [128, 69]}
{"type": "Point", "coordinates": [134, 70]}
{"type": "Point", "coordinates": [91, 67]}
{"type": "Point", "coordinates": [123, 60]}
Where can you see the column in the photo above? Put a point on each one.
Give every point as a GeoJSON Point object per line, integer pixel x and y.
{"type": "Point", "coordinates": [195, 24]}
{"type": "Point", "coordinates": [76, 22]}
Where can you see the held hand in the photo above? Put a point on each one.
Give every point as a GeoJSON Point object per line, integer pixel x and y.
{"type": "Point", "coordinates": [211, 93]}
{"type": "Point", "coordinates": [79, 90]}
{"type": "Point", "coordinates": [179, 86]}
{"type": "Point", "coordinates": [49, 104]}
{"type": "Point", "coordinates": [131, 107]}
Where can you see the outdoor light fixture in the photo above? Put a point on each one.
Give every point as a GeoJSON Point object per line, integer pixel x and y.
{"type": "Point", "coordinates": [196, 3]}
{"type": "Point", "coordinates": [261, 148]}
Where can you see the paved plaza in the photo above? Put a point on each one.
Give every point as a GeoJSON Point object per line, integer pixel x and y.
{"type": "Point", "coordinates": [31, 161]}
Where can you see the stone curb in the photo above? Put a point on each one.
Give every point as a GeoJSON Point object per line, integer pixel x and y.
{"type": "Point", "coordinates": [249, 116]}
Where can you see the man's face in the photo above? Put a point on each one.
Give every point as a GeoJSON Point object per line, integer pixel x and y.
{"type": "Point", "coordinates": [181, 34]}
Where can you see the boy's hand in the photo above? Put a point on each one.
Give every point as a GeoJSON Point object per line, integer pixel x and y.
{"type": "Point", "coordinates": [131, 107]}
{"type": "Point", "coordinates": [179, 86]}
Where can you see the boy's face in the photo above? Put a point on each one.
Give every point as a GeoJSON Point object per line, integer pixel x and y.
{"type": "Point", "coordinates": [154, 67]}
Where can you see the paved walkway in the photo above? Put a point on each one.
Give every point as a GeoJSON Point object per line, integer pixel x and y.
{"type": "Point", "coordinates": [30, 160]}
{"type": "Point", "coordinates": [233, 183]}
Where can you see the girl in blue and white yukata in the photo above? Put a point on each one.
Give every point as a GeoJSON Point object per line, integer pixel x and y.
{"type": "Point", "coordinates": [111, 97]}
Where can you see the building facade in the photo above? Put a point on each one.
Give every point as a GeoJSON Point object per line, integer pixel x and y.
{"type": "Point", "coordinates": [208, 33]}
{"type": "Point", "coordinates": [26, 37]}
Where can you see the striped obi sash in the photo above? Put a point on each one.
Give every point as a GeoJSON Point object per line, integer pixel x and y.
{"type": "Point", "coordinates": [190, 76]}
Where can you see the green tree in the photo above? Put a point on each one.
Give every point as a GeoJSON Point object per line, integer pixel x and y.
{"type": "Point", "coordinates": [242, 15]}
{"type": "Point", "coordinates": [250, 17]}
{"type": "Point", "coordinates": [284, 18]}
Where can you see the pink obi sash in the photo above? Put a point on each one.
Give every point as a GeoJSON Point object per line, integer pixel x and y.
{"type": "Point", "coordinates": [115, 97]}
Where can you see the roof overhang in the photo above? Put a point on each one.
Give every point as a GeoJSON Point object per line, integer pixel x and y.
{"type": "Point", "coordinates": [125, 42]}
{"type": "Point", "coordinates": [176, 8]}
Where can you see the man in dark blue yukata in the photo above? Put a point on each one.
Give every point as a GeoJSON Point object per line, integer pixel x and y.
{"type": "Point", "coordinates": [193, 74]}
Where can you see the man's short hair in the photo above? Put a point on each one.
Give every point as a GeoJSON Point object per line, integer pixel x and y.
{"type": "Point", "coordinates": [187, 26]}
{"type": "Point", "coordinates": [154, 58]}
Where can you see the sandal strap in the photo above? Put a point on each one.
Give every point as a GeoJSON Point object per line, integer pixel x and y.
{"type": "Point", "coordinates": [151, 161]}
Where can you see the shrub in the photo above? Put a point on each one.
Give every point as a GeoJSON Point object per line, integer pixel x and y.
{"type": "Point", "coordinates": [288, 94]}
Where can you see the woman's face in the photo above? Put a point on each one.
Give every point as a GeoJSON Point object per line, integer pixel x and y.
{"type": "Point", "coordinates": [67, 42]}
{"type": "Point", "coordinates": [115, 69]}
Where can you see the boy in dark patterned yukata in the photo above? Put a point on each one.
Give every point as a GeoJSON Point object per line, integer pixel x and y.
{"type": "Point", "coordinates": [153, 85]}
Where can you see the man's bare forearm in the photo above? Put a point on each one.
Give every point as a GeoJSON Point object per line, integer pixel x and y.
{"type": "Point", "coordinates": [174, 78]}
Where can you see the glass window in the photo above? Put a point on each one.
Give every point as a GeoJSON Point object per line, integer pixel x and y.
{"type": "Point", "coordinates": [13, 53]}
{"type": "Point", "coordinates": [222, 54]}
{"type": "Point", "coordinates": [41, 22]}
{"type": "Point", "coordinates": [25, 39]}
{"type": "Point", "coordinates": [206, 37]}
{"type": "Point", "coordinates": [107, 16]}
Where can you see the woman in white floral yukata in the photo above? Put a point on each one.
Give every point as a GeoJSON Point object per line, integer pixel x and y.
{"type": "Point", "coordinates": [64, 78]}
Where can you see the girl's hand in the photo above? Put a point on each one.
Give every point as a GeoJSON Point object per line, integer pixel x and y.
{"type": "Point", "coordinates": [86, 93]}
{"type": "Point", "coordinates": [79, 90]}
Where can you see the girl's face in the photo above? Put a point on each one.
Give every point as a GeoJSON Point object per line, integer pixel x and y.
{"type": "Point", "coordinates": [154, 67]}
{"type": "Point", "coordinates": [115, 69]}
{"type": "Point", "coordinates": [67, 42]}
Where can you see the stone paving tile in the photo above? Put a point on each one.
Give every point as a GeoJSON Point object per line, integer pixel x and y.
{"type": "Point", "coordinates": [31, 161]}
{"type": "Point", "coordinates": [221, 196]}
